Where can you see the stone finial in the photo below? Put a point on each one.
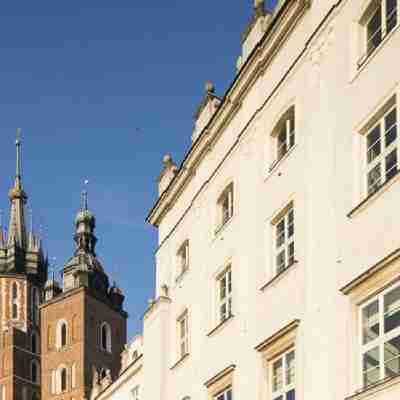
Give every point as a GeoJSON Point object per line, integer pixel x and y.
{"type": "Point", "coordinates": [165, 290]}
{"type": "Point", "coordinates": [209, 87]}
{"type": "Point", "coordinates": [167, 160]}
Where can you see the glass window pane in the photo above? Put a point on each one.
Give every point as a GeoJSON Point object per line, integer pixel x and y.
{"type": "Point", "coordinates": [229, 395]}
{"type": "Point", "coordinates": [280, 233]}
{"type": "Point", "coordinates": [290, 368]}
{"type": "Point", "coordinates": [291, 253]}
{"type": "Point", "coordinates": [291, 395]}
{"type": "Point", "coordinates": [392, 357]}
{"type": "Point", "coordinates": [392, 310]}
{"type": "Point", "coordinates": [391, 14]}
{"type": "Point", "coordinates": [390, 127]}
{"type": "Point", "coordinates": [374, 143]}
{"type": "Point", "coordinates": [374, 30]}
{"type": "Point", "coordinates": [374, 179]}
{"type": "Point", "coordinates": [282, 142]}
{"type": "Point", "coordinates": [280, 261]}
{"type": "Point", "coordinates": [291, 223]}
{"type": "Point", "coordinates": [371, 366]}
{"type": "Point", "coordinates": [391, 165]}
{"type": "Point", "coordinates": [370, 322]}
{"type": "Point", "coordinates": [277, 374]}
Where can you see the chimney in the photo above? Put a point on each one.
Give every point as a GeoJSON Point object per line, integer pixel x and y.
{"type": "Point", "coordinates": [167, 175]}
{"type": "Point", "coordinates": [254, 31]}
{"type": "Point", "coordinates": [206, 110]}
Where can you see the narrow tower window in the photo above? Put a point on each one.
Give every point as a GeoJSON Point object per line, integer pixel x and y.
{"type": "Point", "coordinates": [63, 335]}
{"type": "Point", "coordinates": [63, 379]}
{"type": "Point", "coordinates": [14, 301]}
{"type": "Point", "coordinates": [105, 337]}
{"type": "Point", "coordinates": [34, 346]}
{"type": "Point", "coordinates": [34, 372]}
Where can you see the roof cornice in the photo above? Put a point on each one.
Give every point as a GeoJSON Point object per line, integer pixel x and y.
{"type": "Point", "coordinates": [280, 26]}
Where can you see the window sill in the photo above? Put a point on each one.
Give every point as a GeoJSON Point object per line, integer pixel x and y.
{"type": "Point", "coordinates": [279, 276]}
{"type": "Point", "coordinates": [180, 361]}
{"type": "Point", "coordinates": [220, 326]}
{"type": "Point", "coordinates": [373, 196]}
{"type": "Point", "coordinates": [373, 389]}
{"type": "Point", "coordinates": [277, 163]}
{"type": "Point", "coordinates": [373, 54]}
{"type": "Point", "coordinates": [180, 277]}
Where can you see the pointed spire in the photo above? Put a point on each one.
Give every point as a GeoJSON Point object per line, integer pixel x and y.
{"type": "Point", "coordinates": [17, 229]}
{"type": "Point", "coordinates": [2, 235]}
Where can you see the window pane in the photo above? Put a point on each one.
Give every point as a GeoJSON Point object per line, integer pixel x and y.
{"type": "Point", "coordinates": [291, 253]}
{"type": "Point", "coordinates": [374, 179]}
{"type": "Point", "coordinates": [371, 366]}
{"type": "Point", "coordinates": [229, 395]}
{"type": "Point", "coordinates": [277, 373]}
{"type": "Point", "coordinates": [374, 144]}
{"type": "Point", "coordinates": [392, 357]}
{"type": "Point", "coordinates": [391, 14]}
{"type": "Point", "coordinates": [290, 368]}
{"type": "Point", "coordinates": [392, 310]}
{"type": "Point", "coordinates": [282, 143]}
{"type": "Point", "coordinates": [370, 321]}
{"type": "Point", "coordinates": [280, 261]}
{"type": "Point", "coordinates": [391, 165]}
{"type": "Point", "coordinates": [290, 223]}
{"type": "Point", "coordinates": [374, 30]}
{"type": "Point", "coordinates": [280, 233]}
{"type": "Point", "coordinates": [390, 127]}
{"type": "Point", "coordinates": [291, 395]}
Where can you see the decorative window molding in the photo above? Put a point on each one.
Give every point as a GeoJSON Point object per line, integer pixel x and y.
{"type": "Point", "coordinates": [105, 337]}
{"type": "Point", "coordinates": [221, 383]}
{"type": "Point", "coordinates": [73, 376]}
{"type": "Point", "coordinates": [62, 334]}
{"type": "Point", "coordinates": [61, 379]}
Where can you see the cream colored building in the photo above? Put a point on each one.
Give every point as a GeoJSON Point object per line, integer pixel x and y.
{"type": "Point", "coordinates": [278, 262]}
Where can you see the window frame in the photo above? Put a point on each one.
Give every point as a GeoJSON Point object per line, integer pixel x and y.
{"type": "Point", "coordinates": [183, 258]}
{"type": "Point", "coordinates": [286, 387]}
{"type": "Point", "coordinates": [15, 300]}
{"type": "Point", "coordinates": [225, 206]}
{"type": "Point", "coordinates": [135, 392]}
{"type": "Point", "coordinates": [223, 395]}
{"type": "Point", "coordinates": [382, 338]}
{"type": "Point", "coordinates": [108, 337]}
{"type": "Point", "coordinates": [227, 300]}
{"type": "Point", "coordinates": [288, 240]}
{"type": "Point", "coordinates": [378, 120]}
{"type": "Point", "coordinates": [183, 339]}
{"type": "Point", "coordinates": [286, 126]}
{"type": "Point", "coordinates": [35, 374]}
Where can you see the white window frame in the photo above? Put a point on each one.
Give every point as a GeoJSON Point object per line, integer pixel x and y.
{"type": "Point", "coordinates": [182, 256]}
{"type": "Point", "coordinates": [287, 241]}
{"type": "Point", "coordinates": [286, 385]}
{"type": "Point", "coordinates": [135, 392]}
{"type": "Point", "coordinates": [225, 300]}
{"type": "Point", "coordinates": [225, 206]}
{"type": "Point", "coordinates": [383, 338]}
{"type": "Point", "coordinates": [380, 160]}
{"type": "Point", "coordinates": [384, 29]}
{"type": "Point", "coordinates": [224, 394]}
{"type": "Point", "coordinates": [183, 334]}
{"type": "Point", "coordinates": [58, 374]}
{"type": "Point", "coordinates": [287, 127]}
{"type": "Point", "coordinates": [59, 343]}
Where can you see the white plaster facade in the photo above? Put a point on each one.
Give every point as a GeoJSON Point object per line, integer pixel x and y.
{"type": "Point", "coordinates": [346, 244]}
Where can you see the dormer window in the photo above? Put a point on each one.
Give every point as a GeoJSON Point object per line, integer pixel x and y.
{"type": "Point", "coordinates": [225, 206]}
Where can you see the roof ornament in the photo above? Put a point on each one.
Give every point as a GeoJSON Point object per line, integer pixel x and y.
{"type": "Point", "coordinates": [85, 200]}
{"type": "Point", "coordinates": [18, 145]}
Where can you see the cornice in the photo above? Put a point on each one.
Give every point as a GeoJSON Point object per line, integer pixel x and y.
{"type": "Point", "coordinates": [274, 38]}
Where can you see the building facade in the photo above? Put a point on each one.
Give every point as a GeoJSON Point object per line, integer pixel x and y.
{"type": "Point", "coordinates": [56, 341]}
{"type": "Point", "coordinates": [278, 260]}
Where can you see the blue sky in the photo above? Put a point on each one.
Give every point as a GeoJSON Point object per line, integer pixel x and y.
{"type": "Point", "coordinates": [103, 89]}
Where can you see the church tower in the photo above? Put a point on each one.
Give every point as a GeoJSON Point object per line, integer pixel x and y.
{"type": "Point", "coordinates": [23, 272]}
{"type": "Point", "coordinates": [84, 324]}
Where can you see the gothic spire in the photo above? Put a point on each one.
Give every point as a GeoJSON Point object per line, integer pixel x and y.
{"type": "Point", "coordinates": [17, 228]}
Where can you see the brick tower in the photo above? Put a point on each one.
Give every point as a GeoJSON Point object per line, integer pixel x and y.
{"type": "Point", "coordinates": [84, 324]}
{"type": "Point", "coordinates": [23, 272]}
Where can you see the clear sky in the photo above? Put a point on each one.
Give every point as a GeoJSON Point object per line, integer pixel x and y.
{"type": "Point", "coordinates": [103, 89]}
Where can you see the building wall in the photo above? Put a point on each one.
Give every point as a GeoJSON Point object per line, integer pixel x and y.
{"type": "Point", "coordinates": [316, 70]}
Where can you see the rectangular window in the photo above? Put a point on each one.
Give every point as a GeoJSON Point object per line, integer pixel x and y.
{"type": "Point", "coordinates": [225, 395]}
{"type": "Point", "coordinates": [224, 291]}
{"type": "Point", "coordinates": [183, 332]}
{"type": "Point", "coordinates": [380, 337]}
{"type": "Point", "coordinates": [382, 151]}
{"type": "Point", "coordinates": [183, 258]}
{"type": "Point", "coordinates": [381, 19]}
{"type": "Point", "coordinates": [225, 206]}
{"type": "Point", "coordinates": [285, 133]}
{"type": "Point", "coordinates": [283, 377]}
{"type": "Point", "coordinates": [284, 241]}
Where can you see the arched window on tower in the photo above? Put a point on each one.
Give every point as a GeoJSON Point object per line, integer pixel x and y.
{"type": "Point", "coordinates": [62, 334]}
{"type": "Point", "coordinates": [62, 379]}
{"type": "Point", "coordinates": [14, 300]}
{"type": "Point", "coordinates": [105, 337]}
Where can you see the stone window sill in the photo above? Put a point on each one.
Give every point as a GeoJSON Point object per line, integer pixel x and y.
{"type": "Point", "coordinates": [374, 389]}
{"type": "Point", "coordinates": [279, 276]}
{"type": "Point", "coordinates": [180, 277]}
{"type": "Point", "coordinates": [220, 326]}
{"type": "Point", "coordinates": [373, 196]}
{"type": "Point", "coordinates": [278, 163]}
{"type": "Point", "coordinates": [180, 361]}
{"type": "Point", "coordinates": [223, 227]}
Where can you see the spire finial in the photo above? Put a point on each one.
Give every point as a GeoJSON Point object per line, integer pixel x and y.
{"type": "Point", "coordinates": [18, 146]}
{"type": "Point", "coordinates": [85, 200]}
